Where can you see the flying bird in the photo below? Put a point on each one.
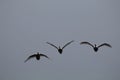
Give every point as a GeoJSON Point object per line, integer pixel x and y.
{"type": "Point", "coordinates": [37, 56]}
{"type": "Point", "coordinates": [95, 47]}
{"type": "Point", "coordinates": [60, 50]}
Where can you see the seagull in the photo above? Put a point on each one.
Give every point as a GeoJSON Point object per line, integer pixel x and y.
{"type": "Point", "coordinates": [37, 56]}
{"type": "Point", "coordinates": [95, 47]}
{"type": "Point", "coordinates": [60, 50]}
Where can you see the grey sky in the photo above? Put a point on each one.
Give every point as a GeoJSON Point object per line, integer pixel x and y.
{"type": "Point", "coordinates": [26, 26]}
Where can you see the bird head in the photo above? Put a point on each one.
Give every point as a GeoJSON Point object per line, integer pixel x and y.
{"type": "Point", "coordinates": [95, 45]}
{"type": "Point", "coordinates": [37, 52]}
{"type": "Point", "coordinates": [59, 47]}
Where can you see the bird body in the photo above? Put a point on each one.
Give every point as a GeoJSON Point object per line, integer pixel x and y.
{"type": "Point", "coordinates": [95, 47]}
{"type": "Point", "coordinates": [37, 56]}
{"type": "Point", "coordinates": [60, 50]}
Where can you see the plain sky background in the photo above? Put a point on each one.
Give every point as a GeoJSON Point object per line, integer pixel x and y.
{"type": "Point", "coordinates": [26, 26]}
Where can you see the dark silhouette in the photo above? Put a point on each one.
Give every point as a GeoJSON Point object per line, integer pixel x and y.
{"type": "Point", "coordinates": [95, 47]}
{"type": "Point", "coordinates": [37, 56]}
{"type": "Point", "coordinates": [60, 50]}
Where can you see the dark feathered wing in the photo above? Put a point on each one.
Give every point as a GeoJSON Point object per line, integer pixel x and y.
{"type": "Point", "coordinates": [52, 45]}
{"type": "Point", "coordinates": [32, 56]}
{"type": "Point", "coordinates": [67, 44]}
{"type": "Point", "coordinates": [44, 56]}
{"type": "Point", "coordinates": [105, 44]}
{"type": "Point", "coordinates": [87, 43]}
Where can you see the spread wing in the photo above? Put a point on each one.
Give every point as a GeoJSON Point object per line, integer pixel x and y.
{"type": "Point", "coordinates": [44, 56]}
{"type": "Point", "coordinates": [32, 56]}
{"type": "Point", "coordinates": [67, 44]}
{"type": "Point", "coordinates": [105, 44]}
{"type": "Point", "coordinates": [87, 43]}
{"type": "Point", "coordinates": [52, 45]}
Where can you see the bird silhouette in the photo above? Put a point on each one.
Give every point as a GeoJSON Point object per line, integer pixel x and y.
{"type": "Point", "coordinates": [60, 50]}
{"type": "Point", "coordinates": [95, 47]}
{"type": "Point", "coordinates": [37, 56]}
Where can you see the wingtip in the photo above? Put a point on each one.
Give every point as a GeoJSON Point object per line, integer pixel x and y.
{"type": "Point", "coordinates": [25, 61]}
{"type": "Point", "coordinates": [47, 42]}
{"type": "Point", "coordinates": [72, 40]}
{"type": "Point", "coordinates": [81, 42]}
{"type": "Point", "coordinates": [110, 46]}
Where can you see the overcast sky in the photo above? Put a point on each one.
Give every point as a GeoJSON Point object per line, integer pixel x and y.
{"type": "Point", "coordinates": [26, 26]}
